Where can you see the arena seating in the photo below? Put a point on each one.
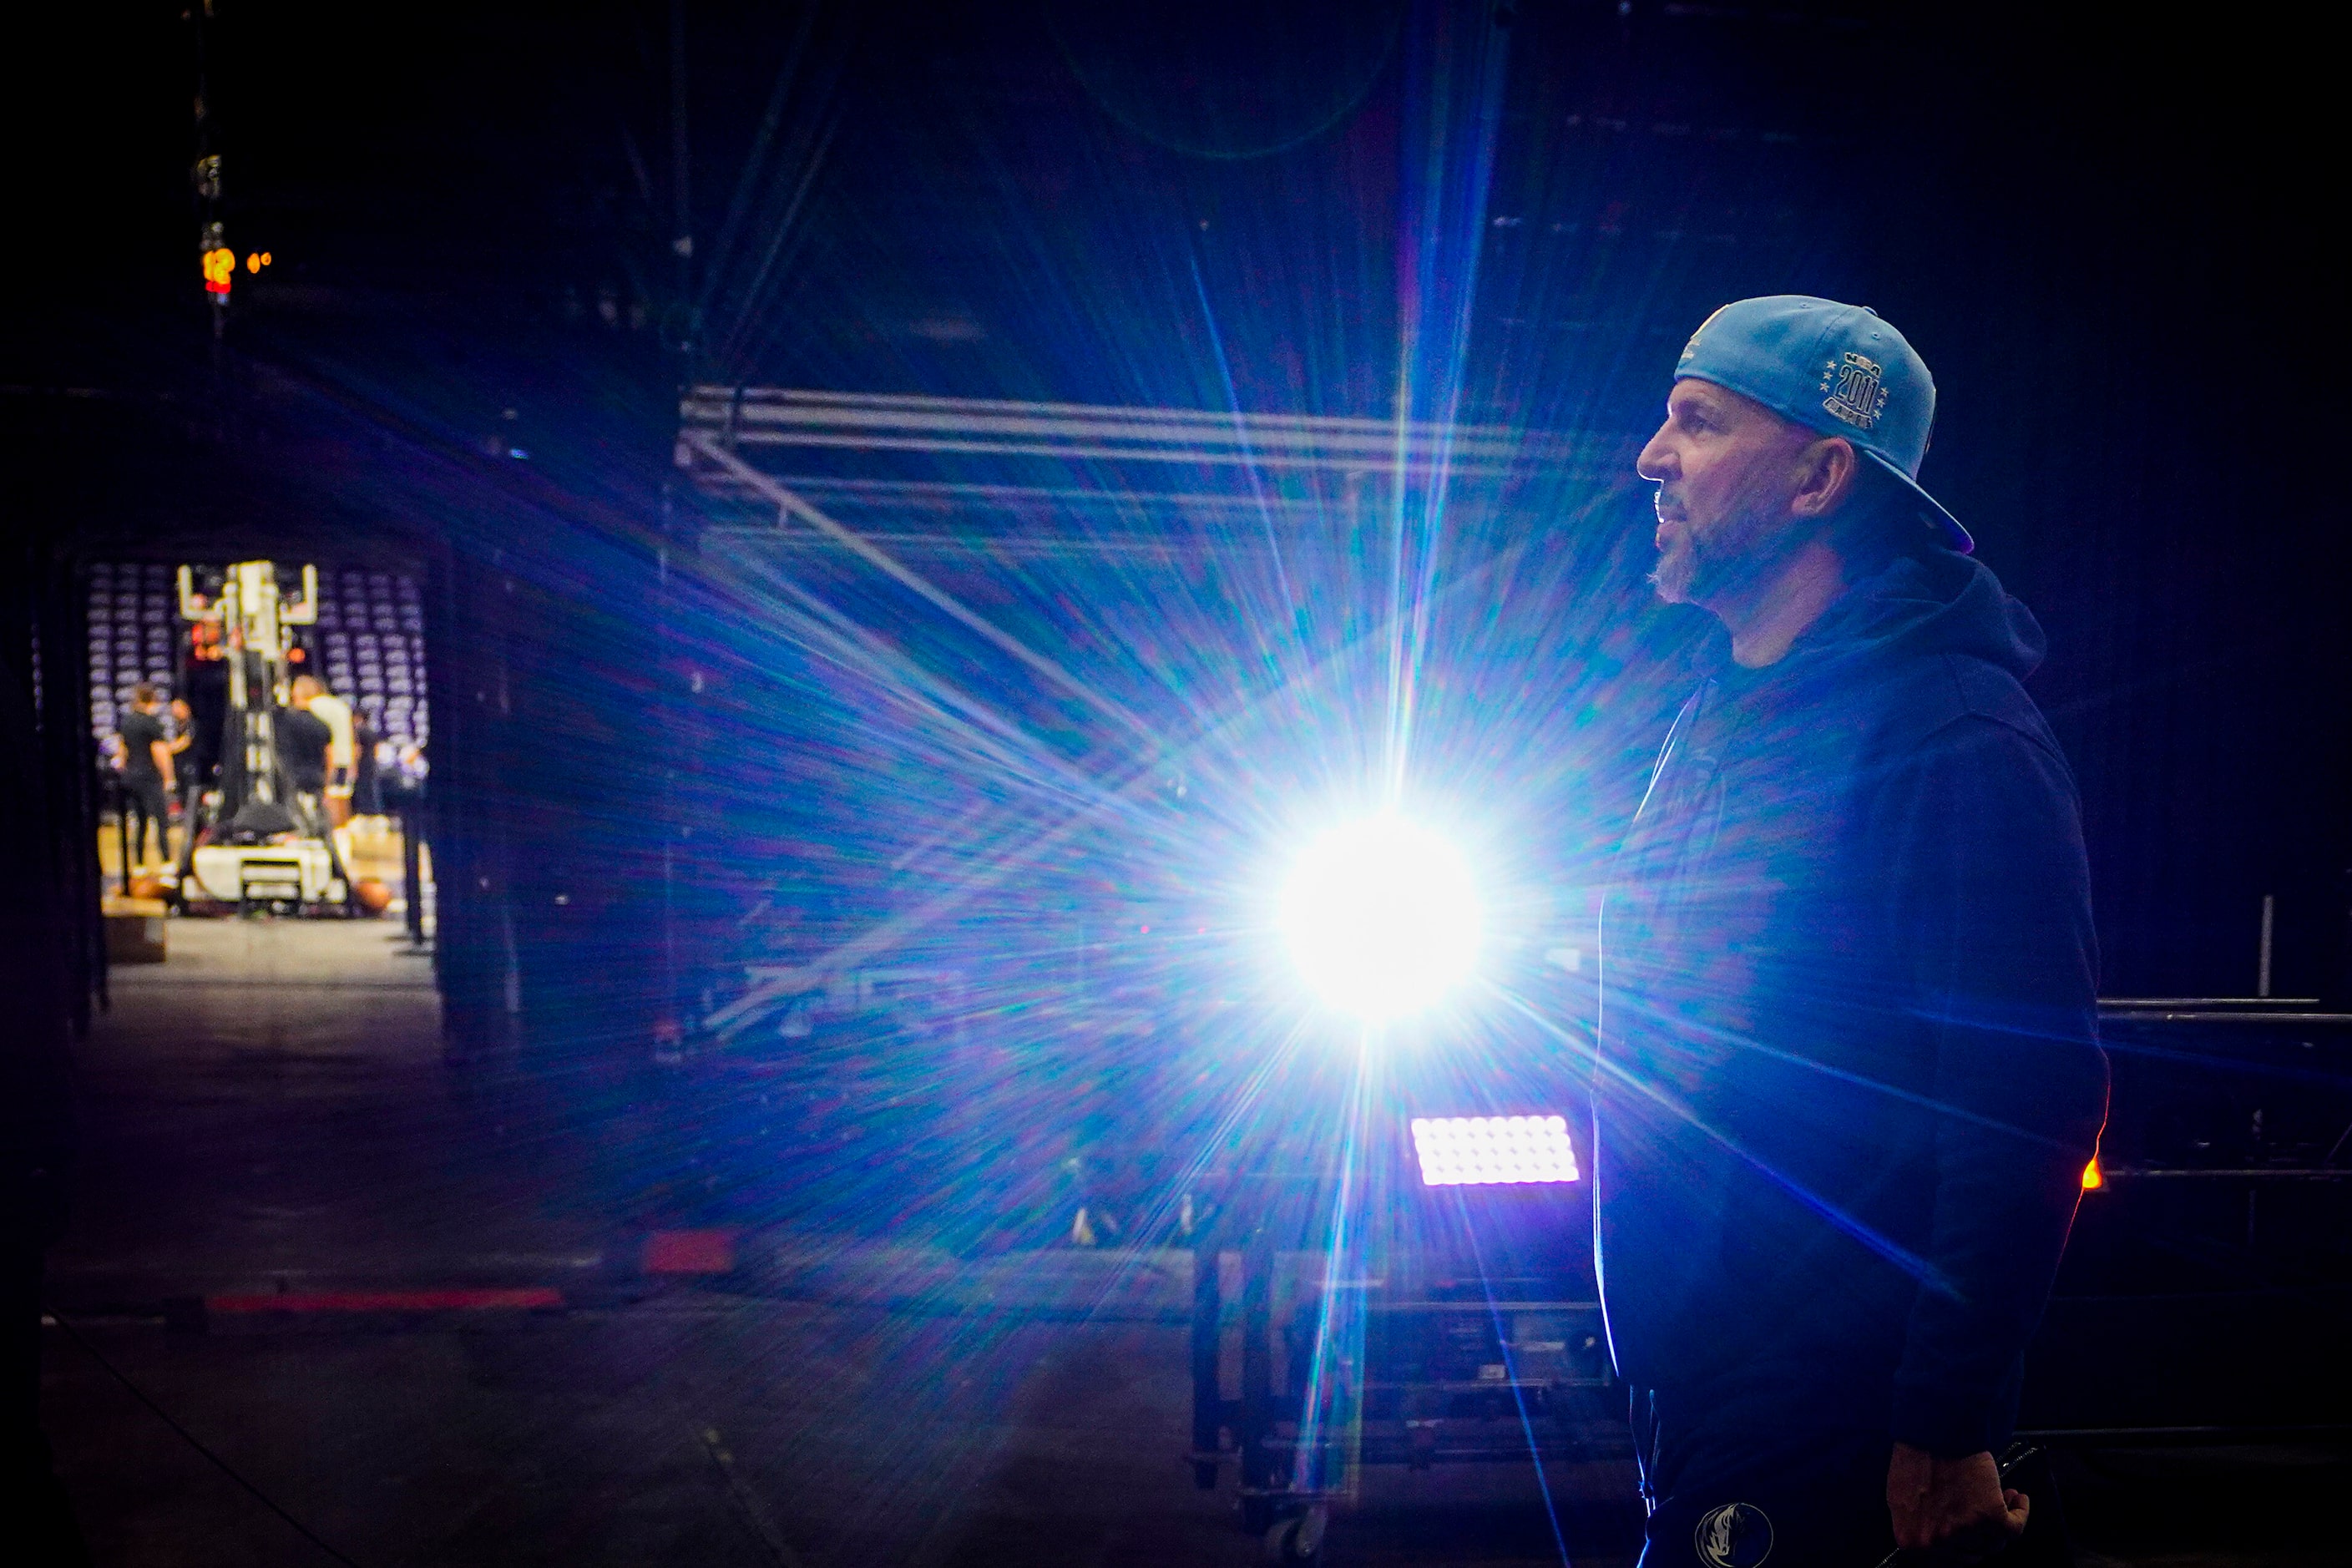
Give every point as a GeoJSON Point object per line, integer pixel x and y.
{"type": "Point", "coordinates": [369, 644]}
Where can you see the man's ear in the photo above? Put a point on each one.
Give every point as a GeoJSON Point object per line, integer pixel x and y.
{"type": "Point", "coordinates": [1826, 477]}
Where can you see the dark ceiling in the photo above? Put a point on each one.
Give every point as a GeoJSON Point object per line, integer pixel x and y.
{"type": "Point", "coordinates": [1193, 204]}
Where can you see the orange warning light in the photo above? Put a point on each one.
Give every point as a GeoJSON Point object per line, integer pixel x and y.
{"type": "Point", "coordinates": [2093, 1178]}
{"type": "Point", "coordinates": [220, 269]}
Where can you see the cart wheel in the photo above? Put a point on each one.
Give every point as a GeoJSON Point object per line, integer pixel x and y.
{"type": "Point", "coordinates": [1298, 1542]}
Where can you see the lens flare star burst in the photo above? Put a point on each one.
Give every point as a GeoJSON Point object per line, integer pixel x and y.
{"type": "Point", "coordinates": [1381, 918]}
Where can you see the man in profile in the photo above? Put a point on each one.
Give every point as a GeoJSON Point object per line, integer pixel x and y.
{"type": "Point", "coordinates": [1848, 1074]}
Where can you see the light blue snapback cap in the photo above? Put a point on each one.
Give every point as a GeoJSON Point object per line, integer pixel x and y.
{"type": "Point", "coordinates": [1833, 368]}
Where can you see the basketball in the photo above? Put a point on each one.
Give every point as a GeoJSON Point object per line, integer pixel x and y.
{"type": "Point", "coordinates": [148, 887]}
{"type": "Point", "coordinates": [372, 895]}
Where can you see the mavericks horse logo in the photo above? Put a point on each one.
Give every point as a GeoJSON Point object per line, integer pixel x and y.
{"type": "Point", "coordinates": [1736, 1535]}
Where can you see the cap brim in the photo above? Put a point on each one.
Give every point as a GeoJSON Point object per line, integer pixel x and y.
{"type": "Point", "coordinates": [1931, 510]}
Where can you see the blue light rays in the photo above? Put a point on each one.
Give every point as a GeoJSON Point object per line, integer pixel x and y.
{"type": "Point", "coordinates": [1911, 1263]}
{"type": "Point", "coordinates": [1444, 231]}
{"type": "Point", "coordinates": [1233, 399]}
{"type": "Point", "coordinates": [1511, 1371]}
{"type": "Point", "coordinates": [1335, 1369]}
{"type": "Point", "coordinates": [943, 743]}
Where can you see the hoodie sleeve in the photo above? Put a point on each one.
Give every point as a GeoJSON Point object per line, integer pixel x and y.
{"type": "Point", "coordinates": [1991, 893]}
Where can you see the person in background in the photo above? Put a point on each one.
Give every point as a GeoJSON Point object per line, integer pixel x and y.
{"type": "Point", "coordinates": [204, 679]}
{"type": "Point", "coordinates": [404, 791]}
{"type": "Point", "coordinates": [341, 757]}
{"type": "Point", "coordinates": [146, 763]}
{"type": "Point", "coordinates": [184, 781]}
{"type": "Point", "coordinates": [367, 779]}
{"type": "Point", "coordinates": [303, 741]}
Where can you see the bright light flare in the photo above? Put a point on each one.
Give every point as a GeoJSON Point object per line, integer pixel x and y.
{"type": "Point", "coordinates": [1380, 917]}
{"type": "Point", "coordinates": [1492, 1151]}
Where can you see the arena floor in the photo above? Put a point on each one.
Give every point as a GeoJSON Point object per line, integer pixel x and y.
{"type": "Point", "coordinates": [269, 1111]}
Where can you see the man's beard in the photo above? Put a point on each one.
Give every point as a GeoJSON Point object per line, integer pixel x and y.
{"type": "Point", "coordinates": [1677, 571]}
{"type": "Point", "coordinates": [1703, 565]}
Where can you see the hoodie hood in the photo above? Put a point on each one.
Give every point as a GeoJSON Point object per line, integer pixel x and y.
{"type": "Point", "coordinates": [1938, 603]}
{"type": "Point", "coordinates": [1941, 602]}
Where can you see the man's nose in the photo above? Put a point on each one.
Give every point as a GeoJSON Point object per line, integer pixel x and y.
{"type": "Point", "coordinates": [1657, 462]}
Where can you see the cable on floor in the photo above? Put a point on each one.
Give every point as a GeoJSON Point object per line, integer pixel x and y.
{"type": "Point", "coordinates": [193, 1441]}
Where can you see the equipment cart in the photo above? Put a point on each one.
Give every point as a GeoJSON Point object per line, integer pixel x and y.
{"type": "Point", "coordinates": [1403, 1312]}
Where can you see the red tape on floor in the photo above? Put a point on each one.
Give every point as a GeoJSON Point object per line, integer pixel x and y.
{"type": "Point", "coordinates": [689, 1252]}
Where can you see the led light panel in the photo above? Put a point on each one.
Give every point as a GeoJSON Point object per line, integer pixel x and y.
{"type": "Point", "coordinates": [1492, 1151]}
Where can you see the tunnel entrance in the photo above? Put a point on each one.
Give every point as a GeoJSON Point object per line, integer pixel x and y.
{"type": "Point", "coordinates": [260, 731]}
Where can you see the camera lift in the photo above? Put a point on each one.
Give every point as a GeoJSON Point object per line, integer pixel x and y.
{"type": "Point", "coordinates": [252, 841]}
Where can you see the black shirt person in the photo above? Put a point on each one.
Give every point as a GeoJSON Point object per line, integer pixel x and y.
{"type": "Point", "coordinates": [367, 784]}
{"type": "Point", "coordinates": [146, 765]}
{"type": "Point", "coordinates": [182, 748]}
{"type": "Point", "coordinates": [204, 677]}
{"type": "Point", "coordinates": [1848, 1075]}
{"type": "Point", "coordinates": [302, 741]}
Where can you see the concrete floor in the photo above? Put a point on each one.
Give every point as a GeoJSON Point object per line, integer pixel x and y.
{"type": "Point", "coordinates": [269, 1111]}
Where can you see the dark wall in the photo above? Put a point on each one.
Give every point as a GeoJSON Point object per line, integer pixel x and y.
{"type": "Point", "coordinates": [2108, 265]}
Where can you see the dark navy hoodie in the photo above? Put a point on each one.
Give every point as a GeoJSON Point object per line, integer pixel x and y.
{"type": "Point", "coordinates": [1848, 1071]}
